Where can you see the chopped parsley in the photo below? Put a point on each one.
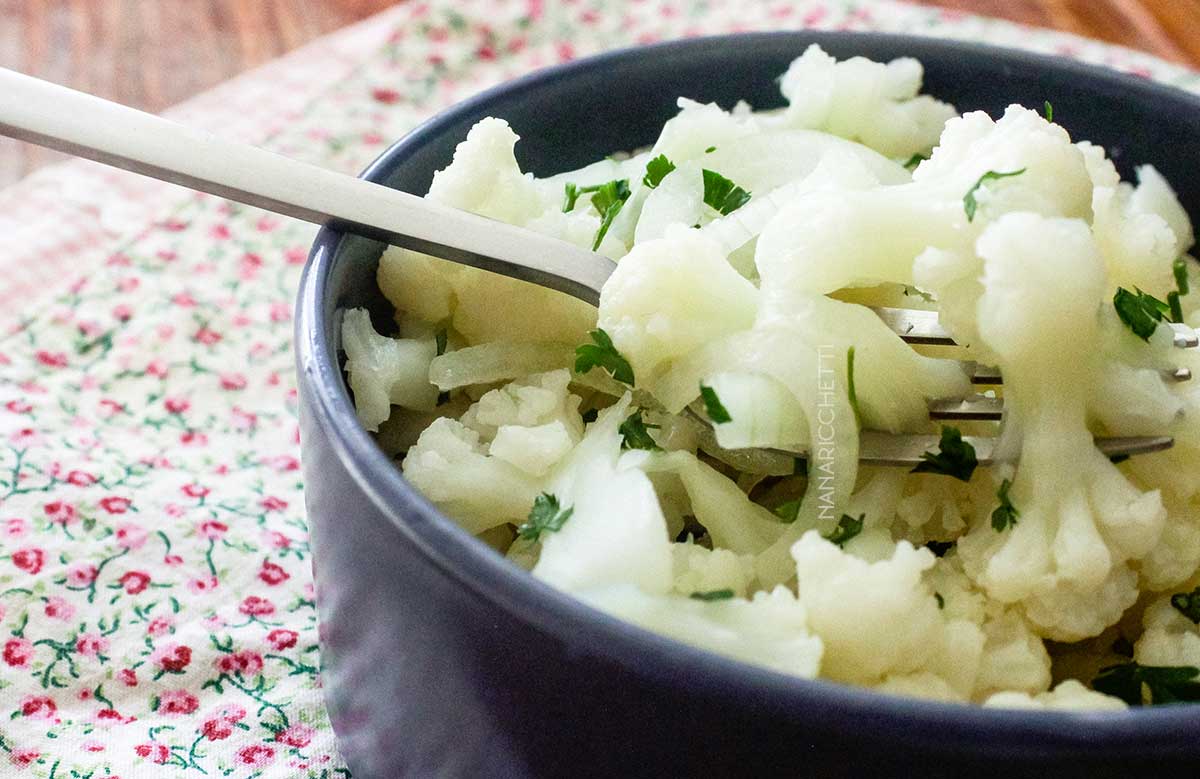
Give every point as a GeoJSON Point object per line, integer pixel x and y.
{"type": "Point", "coordinates": [590, 415]}
{"type": "Point", "coordinates": [710, 149]}
{"type": "Point", "coordinates": [850, 383]}
{"type": "Point", "coordinates": [955, 457]}
{"type": "Point", "coordinates": [1181, 275]}
{"type": "Point", "coordinates": [722, 194]}
{"type": "Point", "coordinates": [1139, 684]}
{"type": "Point", "coordinates": [656, 170]}
{"type": "Point", "coordinates": [607, 199]}
{"type": "Point", "coordinates": [1140, 312]}
{"type": "Point", "coordinates": [1006, 513]}
{"type": "Point", "coordinates": [789, 511]}
{"type": "Point", "coordinates": [712, 595]}
{"type": "Point", "coordinates": [440, 341]}
{"type": "Point", "coordinates": [914, 161]}
{"type": "Point", "coordinates": [970, 205]}
{"type": "Point", "coordinates": [712, 405]}
{"type": "Point", "coordinates": [545, 515]}
{"type": "Point", "coordinates": [635, 433]}
{"type": "Point", "coordinates": [602, 353]}
{"type": "Point", "coordinates": [1188, 604]}
{"type": "Point", "coordinates": [1049, 111]}
{"type": "Point", "coordinates": [941, 602]}
{"type": "Point", "coordinates": [847, 528]}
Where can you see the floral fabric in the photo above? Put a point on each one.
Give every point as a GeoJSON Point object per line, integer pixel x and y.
{"type": "Point", "coordinates": [156, 601]}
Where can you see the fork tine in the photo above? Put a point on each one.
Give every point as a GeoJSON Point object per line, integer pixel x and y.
{"type": "Point", "coordinates": [990, 376]}
{"type": "Point", "coordinates": [977, 407]}
{"type": "Point", "coordinates": [920, 326]}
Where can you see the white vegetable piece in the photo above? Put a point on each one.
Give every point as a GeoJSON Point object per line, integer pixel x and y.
{"type": "Point", "coordinates": [385, 370]}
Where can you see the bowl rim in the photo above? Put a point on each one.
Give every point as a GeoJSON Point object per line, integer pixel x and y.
{"type": "Point", "coordinates": [965, 727]}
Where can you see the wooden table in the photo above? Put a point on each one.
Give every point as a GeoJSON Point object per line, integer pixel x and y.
{"type": "Point", "coordinates": [133, 50]}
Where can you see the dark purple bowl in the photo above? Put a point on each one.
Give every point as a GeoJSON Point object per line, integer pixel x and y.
{"type": "Point", "coordinates": [440, 658]}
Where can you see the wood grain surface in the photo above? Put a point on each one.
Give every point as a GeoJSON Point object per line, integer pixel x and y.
{"type": "Point", "coordinates": [155, 53]}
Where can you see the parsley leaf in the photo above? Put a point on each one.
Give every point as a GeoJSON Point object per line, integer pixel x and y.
{"type": "Point", "coordinates": [941, 602]}
{"type": "Point", "coordinates": [710, 149]}
{"type": "Point", "coordinates": [712, 595]}
{"type": "Point", "coordinates": [602, 353]}
{"type": "Point", "coordinates": [1006, 513]}
{"type": "Point", "coordinates": [712, 405]}
{"type": "Point", "coordinates": [570, 195]}
{"type": "Point", "coordinates": [545, 515]}
{"type": "Point", "coordinates": [1175, 306]}
{"type": "Point", "coordinates": [1164, 683]}
{"type": "Point", "coordinates": [1188, 604]}
{"type": "Point", "coordinates": [955, 457]}
{"type": "Point", "coordinates": [656, 170]}
{"type": "Point", "coordinates": [1049, 111]}
{"type": "Point", "coordinates": [850, 383]}
{"type": "Point", "coordinates": [789, 511]}
{"type": "Point", "coordinates": [635, 433]}
{"type": "Point", "coordinates": [915, 160]}
{"type": "Point", "coordinates": [722, 194]}
{"type": "Point", "coordinates": [969, 203]}
{"type": "Point", "coordinates": [847, 528]}
{"type": "Point", "coordinates": [439, 340]}
{"type": "Point", "coordinates": [1140, 312]}
{"type": "Point", "coordinates": [608, 201]}
{"type": "Point", "coordinates": [1181, 275]}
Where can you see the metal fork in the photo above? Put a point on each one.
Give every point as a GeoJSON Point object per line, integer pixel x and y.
{"type": "Point", "coordinates": [87, 126]}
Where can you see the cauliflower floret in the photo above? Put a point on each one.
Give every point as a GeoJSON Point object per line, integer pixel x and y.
{"type": "Point", "coordinates": [1067, 696]}
{"type": "Point", "coordinates": [386, 370]}
{"type": "Point", "coordinates": [698, 569]}
{"type": "Point", "coordinates": [451, 467]}
{"type": "Point", "coordinates": [1170, 638]}
{"type": "Point", "coordinates": [881, 619]}
{"type": "Point", "coordinates": [670, 296]}
{"type": "Point", "coordinates": [768, 630]}
{"type": "Point", "coordinates": [616, 533]}
{"type": "Point", "coordinates": [484, 177]}
{"type": "Point", "coordinates": [874, 103]}
{"type": "Point", "coordinates": [1080, 520]}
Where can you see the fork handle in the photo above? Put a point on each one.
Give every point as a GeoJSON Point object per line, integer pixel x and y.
{"type": "Point", "coordinates": [87, 126]}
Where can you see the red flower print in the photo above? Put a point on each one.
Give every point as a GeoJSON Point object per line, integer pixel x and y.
{"type": "Point", "coordinates": [81, 574]}
{"type": "Point", "coordinates": [52, 359]}
{"type": "Point", "coordinates": [59, 608]}
{"type": "Point", "coordinates": [295, 255]}
{"type": "Point", "coordinates": [385, 95]}
{"type": "Point", "coordinates": [202, 584]}
{"type": "Point", "coordinates": [110, 408]}
{"type": "Point", "coordinates": [155, 752]}
{"type": "Point", "coordinates": [176, 405]}
{"type": "Point", "coordinates": [29, 560]}
{"type": "Point", "coordinates": [24, 437]}
{"type": "Point", "coordinates": [172, 559]}
{"type": "Point", "coordinates": [131, 536]}
{"type": "Point", "coordinates": [193, 438]}
{"type": "Point", "coordinates": [266, 224]}
{"type": "Point", "coordinates": [134, 582]}
{"type": "Point", "coordinates": [122, 312]}
{"type": "Point", "coordinates": [233, 381]}
{"type": "Point", "coordinates": [159, 626]}
{"type": "Point", "coordinates": [23, 758]}
{"type": "Point", "coordinates": [93, 746]}
{"type": "Point", "coordinates": [216, 729]}
{"type": "Point", "coordinates": [277, 540]}
{"type": "Point", "coordinates": [280, 312]}
{"type": "Point", "coordinates": [255, 755]}
{"type": "Point", "coordinates": [295, 736]}
{"type": "Point", "coordinates": [18, 652]}
{"type": "Point", "coordinates": [282, 638]}
{"type": "Point", "coordinates": [38, 707]}
{"type": "Point", "coordinates": [91, 644]}
{"type": "Point", "coordinates": [220, 232]}
{"type": "Point", "coordinates": [172, 658]}
{"type": "Point", "coordinates": [15, 528]}
{"type": "Point", "coordinates": [273, 573]}
{"type": "Point", "coordinates": [212, 529]}
{"type": "Point", "coordinates": [177, 702]}
{"type": "Point", "coordinates": [271, 503]}
{"type": "Point", "coordinates": [128, 677]}
{"type": "Point", "coordinates": [112, 715]}
{"type": "Point", "coordinates": [242, 662]}
{"type": "Point", "coordinates": [18, 407]}
{"type": "Point", "coordinates": [157, 369]}
{"type": "Point", "coordinates": [207, 336]}
{"type": "Point", "coordinates": [114, 505]}
{"type": "Point", "coordinates": [195, 491]}
{"type": "Point", "coordinates": [80, 478]}
{"type": "Point", "coordinates": [60, 512]}
{"type": "Point", "coordinates": [254, 606]}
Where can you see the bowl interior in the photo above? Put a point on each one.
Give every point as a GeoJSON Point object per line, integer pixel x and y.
{"type": "Point", "coordinates": [570, 116]}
